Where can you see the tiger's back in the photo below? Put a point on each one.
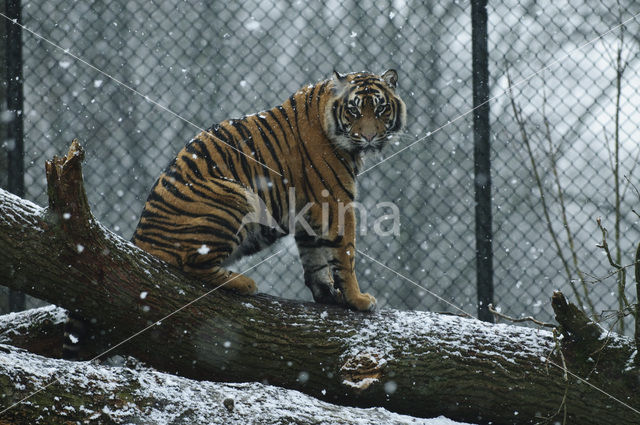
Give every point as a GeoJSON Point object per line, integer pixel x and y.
{"type": "Point", "coordinates": [236, 188]}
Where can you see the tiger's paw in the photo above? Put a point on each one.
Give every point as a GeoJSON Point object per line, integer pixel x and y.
{"type": "Point", "coordinates": [241, 284]}
{"type": "Point", "coordinates": [363, 302]}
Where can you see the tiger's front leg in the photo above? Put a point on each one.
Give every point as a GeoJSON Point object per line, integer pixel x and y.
{"type": "Point", "coordinates": [340, 248]}
{"type": "Point", "coordinates": [343, 263]}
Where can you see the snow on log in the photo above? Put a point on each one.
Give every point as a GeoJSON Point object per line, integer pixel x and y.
{"type": "Point", "coordinates": [82, 392]}
{"type": "Point", "coordinates": [38, 330]}
{"type": "Point", "coordinates": [416, 363]}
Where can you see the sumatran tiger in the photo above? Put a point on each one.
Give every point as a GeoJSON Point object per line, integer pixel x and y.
{"type": "Point", "coordinates": [242, 184]}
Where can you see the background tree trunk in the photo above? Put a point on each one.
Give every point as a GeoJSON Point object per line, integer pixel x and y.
{"type": "Point", "coordinates": [416, 363]}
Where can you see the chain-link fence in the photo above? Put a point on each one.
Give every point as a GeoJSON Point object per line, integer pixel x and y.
{"type": "Point", "coordinates": [208, 61]}
{"type": "Point", "coordinates": [569, 111]}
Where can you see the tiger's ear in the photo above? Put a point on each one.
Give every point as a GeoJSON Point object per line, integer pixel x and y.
{"type": "Point", "coordinates": [338, 77]}
{"type": "Point", "coordinates": [339, 82]}
{"type": "Point", "coordinates": [391, 78]}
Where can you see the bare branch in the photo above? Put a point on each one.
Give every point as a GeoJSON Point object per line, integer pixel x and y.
{"type": "Point", "coordinates": [563, 209]}
{"type": "Point", "coordinates": [545, 208]}
{"type": "Point", "coordinates": [521, 319]}
{"type": "Point", "coordinates": [619, 269]}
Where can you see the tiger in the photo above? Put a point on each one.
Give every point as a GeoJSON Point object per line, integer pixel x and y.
{"type": "Point", "coordinates": [305, 152]}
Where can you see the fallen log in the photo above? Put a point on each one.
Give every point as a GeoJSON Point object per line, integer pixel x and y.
{"type": "Point", "coordinates": [416, 363]}
{"type": "Point", "coordinates": [84, 393]}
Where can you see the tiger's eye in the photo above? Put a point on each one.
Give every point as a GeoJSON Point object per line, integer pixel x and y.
{"type": "Point", "coordinates": [381, 109]}
{"type": "Point", "coordinates": [353, 110]}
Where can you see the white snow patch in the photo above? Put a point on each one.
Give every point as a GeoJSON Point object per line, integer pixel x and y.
{"type": "Point", "coordinates": [631, 362]}
{"type": "Point", "coordinates": [204, 249]}
{"type": "Point", "coordinates": [360, 385]}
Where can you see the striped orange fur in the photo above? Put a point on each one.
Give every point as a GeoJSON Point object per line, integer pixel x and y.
{"type": "Point", "coordinates": [310, 147]}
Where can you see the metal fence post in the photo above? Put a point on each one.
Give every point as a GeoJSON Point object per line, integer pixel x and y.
{"type": "Point", "coordinates": [482, 158]}
{"type": "Point", "coordinates": [15, 125]}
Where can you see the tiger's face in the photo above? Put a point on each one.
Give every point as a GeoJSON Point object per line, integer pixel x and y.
{"type": "Point", "coordinates": [364, 112]}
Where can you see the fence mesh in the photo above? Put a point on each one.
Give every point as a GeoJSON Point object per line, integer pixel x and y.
{"type": "Point", "coordinates": [211, 61]}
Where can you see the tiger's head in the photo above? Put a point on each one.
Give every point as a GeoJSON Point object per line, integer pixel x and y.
{"type": "Point", "coordinates": [364, 111]}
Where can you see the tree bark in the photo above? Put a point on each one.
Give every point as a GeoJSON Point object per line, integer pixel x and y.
{"type": "Point", "coordinates": [38, 330]}
{"type": "Point", "coordinates": [84, 393]}
{"type": "Point", "coordinates": [417, 363]}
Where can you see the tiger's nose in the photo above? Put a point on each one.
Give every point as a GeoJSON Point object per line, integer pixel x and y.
{"type": "Point", "coordinates": [368, 136]}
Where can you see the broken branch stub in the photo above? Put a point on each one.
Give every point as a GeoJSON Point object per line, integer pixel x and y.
{"type": "Point", "coordinates": [574, 323]}
{"type": "Point", "coordinates": [68, 204]}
